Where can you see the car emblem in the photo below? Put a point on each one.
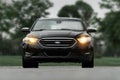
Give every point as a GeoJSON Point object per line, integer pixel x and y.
{"type": "Point", "coordinates": [57, 42]}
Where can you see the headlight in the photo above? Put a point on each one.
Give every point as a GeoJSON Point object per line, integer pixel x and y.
{"type": "Point", "coordinates": [84, 40]}
{"type": "Point", "coordinates": [32, 40]}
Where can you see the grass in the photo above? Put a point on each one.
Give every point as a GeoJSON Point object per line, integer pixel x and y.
{"type": "Point", "coordinates": [107, 61]}
{"type": "Point", "coordinates": [16, 61]}
{"type": "Point", "coordinates": [10, 60]}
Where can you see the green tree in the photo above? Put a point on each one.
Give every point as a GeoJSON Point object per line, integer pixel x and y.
{"type": "Point", "coordinates": [110, 4]}
{"type": "Point", "coordinates": [4, 22]}
{"type": "Point", "coordinates": [79, 10]}
{"type": "Point", "coordinates": [85, 9]}
{"type": "Point", "coordinates": [110, 27]}
{"type": "Point", "coordinates": [69, 11]}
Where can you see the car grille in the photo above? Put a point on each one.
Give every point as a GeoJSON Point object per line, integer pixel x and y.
{"type": "Point", "coordinates": [57, 42]}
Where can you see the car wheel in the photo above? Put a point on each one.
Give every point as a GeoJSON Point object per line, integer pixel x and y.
{"type": "Point", "coordinates": [88, 61]}
{"type": "Point", "coordinates": [28, 64]}
{"type": "Point", "coordinates": [88, 64]}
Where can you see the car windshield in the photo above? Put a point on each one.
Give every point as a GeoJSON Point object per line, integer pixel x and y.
{"type": "Point", "coordinates": [58, 24]}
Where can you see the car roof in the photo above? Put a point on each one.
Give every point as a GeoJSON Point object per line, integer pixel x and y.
{"type": "Point", "coordinates": [60, 18]}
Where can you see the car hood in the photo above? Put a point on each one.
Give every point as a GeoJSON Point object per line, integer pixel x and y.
{"type": "Point", "coordinates": [55, 33]}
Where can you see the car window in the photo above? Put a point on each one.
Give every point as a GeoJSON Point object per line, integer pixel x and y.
{"type": "Point", "coordinates": [54, 24]}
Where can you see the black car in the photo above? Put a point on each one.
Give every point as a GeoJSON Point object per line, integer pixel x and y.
{"type": "Point", "coordinates": [58, 40]}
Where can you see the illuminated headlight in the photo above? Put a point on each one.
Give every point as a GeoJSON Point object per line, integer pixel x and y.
{"type": "Point", "coordinates": [84, 40]}
{"type": "Point", "coordinates": [32, 40]}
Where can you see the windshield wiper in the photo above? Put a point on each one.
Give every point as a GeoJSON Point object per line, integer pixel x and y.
{"type": "Point", "coordinates": [69, 29]}
{"type": "Point", "coordinates": [40, 29]}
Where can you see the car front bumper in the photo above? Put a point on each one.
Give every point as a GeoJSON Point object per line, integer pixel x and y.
{"type": "Point", "coordinates": [74, 54]}
{"type": "Point", "coordinates": [38, 52]}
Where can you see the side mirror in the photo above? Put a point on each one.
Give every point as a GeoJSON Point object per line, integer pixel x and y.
{"type": "Point", "coordinates": [25, 29]}
{"type": "Point", "coordinates": [90, 30]}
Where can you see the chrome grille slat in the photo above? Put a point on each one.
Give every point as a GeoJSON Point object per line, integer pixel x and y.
{"type": "Point", "coordinates": [57, 42]}
{"type": "Point", "coordinates": [56, 45]}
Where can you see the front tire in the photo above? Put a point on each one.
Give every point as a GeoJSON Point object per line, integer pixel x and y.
{"type": "Point", "coordinates": [28, 64]}
{"type": "Point", "coordinates": [88, 64]}
{"type": "Point", "coordinates": [88, 60]}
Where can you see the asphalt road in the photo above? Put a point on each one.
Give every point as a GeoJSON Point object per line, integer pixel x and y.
{"type": "Point", "coordinates": [60, 73]}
